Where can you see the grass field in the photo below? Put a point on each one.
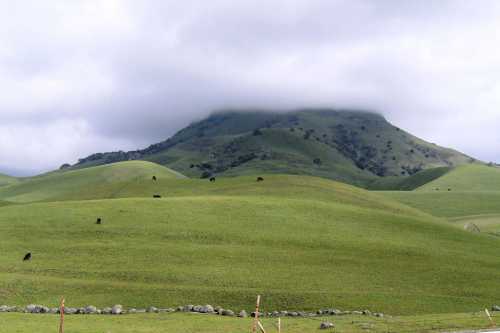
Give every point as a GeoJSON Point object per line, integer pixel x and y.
{"type": "Point", "coordinates": [303, 243]}
{"type": "Point", "coordinates": [194, 323]}
{"type": "Point", "coordinates": [470, 177]}
{"type": "Point", "coordinates": [468, 190]}
{"type": "Point", "coordinates": [409, 183]}
{"type": "Point", "coordinates": [486, 223]}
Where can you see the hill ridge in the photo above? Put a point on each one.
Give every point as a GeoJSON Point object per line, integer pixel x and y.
{"type": "Point", "coordinates": [356, 147]}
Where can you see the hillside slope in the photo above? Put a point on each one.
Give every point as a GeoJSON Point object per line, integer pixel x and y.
{"type": "Point", "coordinates": [466, 191]}
{"type": "Point", "coordinates": [97, 182]}
{"type": "Point", "coordinates": [352, 147]}
{"type": "Point", "coordinates": [472, 177]}
{"type": "Point", "coordinates": [303, 243]}
{"type": "Point", "coordinates": [6, 180]}
{"type": "Point", "coordinates": [409, 183]}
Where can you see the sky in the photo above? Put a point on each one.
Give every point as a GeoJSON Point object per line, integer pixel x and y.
{"type": "Point", "coordinates": [79, 77]}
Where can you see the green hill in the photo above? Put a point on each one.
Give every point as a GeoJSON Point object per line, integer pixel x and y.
{"type": "Point", "coordinates": [6, 180]}
{"type": "Point", "coordinates": [409, 183]}
{"type": "Point", "coordinates": [466, 190]}
{"type": "Point", "coordinates": [99, 182]}
{"type": "Point", "coordinates": [468, 195]}
{"type": "Point", "coordinates": [472, 177]}
{"type": "Point", "coordinates": [302, 242]}
{"type": "Point", "coordinates": [353, 147]}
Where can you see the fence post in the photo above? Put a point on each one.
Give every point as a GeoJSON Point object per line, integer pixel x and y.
{"type": "Point", "coordinates": [61, 322]}
{"type": "Point", "coordinates": [256, 319]}
{"type": "Point", "coordinates": [491, 319]}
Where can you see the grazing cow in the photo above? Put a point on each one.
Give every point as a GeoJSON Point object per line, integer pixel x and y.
{"type": "Point", "coordinates": [260, 179]}
{"type": "Point", "coordinates": [27, 256]}
{"type": "Point", "coordinates": [156, 196]}
{"type": "Point", "coordinates": [212, 179]}
{"type": "Point", "coordinates": [154, 178]}
{"type": "Point", "coordinates": [98, 221]}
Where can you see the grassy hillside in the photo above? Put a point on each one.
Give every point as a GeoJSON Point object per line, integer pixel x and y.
{"type": "Point", "coordinates": [467, 190]}
{"type": "Point", "coordinates": [409, 183]}
{"type": "Point", "coordinates": [6, 180]}
{"type": "Point", "coordinates": [353, 147]}
{"type": "Point", "coordinates": [98, 182]}
{"type": "Point", "coordinates": [472, 177]}
{"type": "Point", "coordinates": [301, 242]}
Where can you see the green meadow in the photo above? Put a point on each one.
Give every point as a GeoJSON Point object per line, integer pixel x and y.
{"type": "Point", "coordinates": [302, 242]}
{"type": "Point", "coordinates": [195, 323]}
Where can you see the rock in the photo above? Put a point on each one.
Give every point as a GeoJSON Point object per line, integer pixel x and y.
{"type": "Point", "coordinates": [90, 309]}
{"type": "Point", "coordinates": [106, 310]}
{"type": "Point", "coordinates": [197, 308]}
{"type": "Point", "coordinates": [227, 312]}
{"type": "Point", "coordinates": [188, 308]}
{"type": "Point", "coordinates": [275, 314]}
{"type": "Point", "coordinates": [254, 313]}
{"type": "Point", "coordinates": [69, 310]}
{"type": "Point", "coordinates": [141, 311]}
{"type": "Point", "coordinates": [357, 313]}
{"type": "Point", "coordinates": [179, 309]}
{"type": "Point", "coordinates": [152, 309]}
{"type": "Point", "coordinates": [326, 325]}
{"type": "Point", "coordinates": [242, 314]}
{"type": "Point", "coordinates": [54, 310]}
{"type": "Point", "coordinates": [293, 314]}
{"type": "Point", "coordinates": [495, 308]}
{"type": "Point", "coordinates": [80, 311]}
{"type": "Point", "coordinates": [117, 309]}
{"type": "Point", "coordinates": [132, 311]}
{"type": "Point", "coordinates": [3, 308]}
{"type": "Point", "coordinates": [379, 315]}
{"type": "Point", "coordinates": [207, 309]}
{"type": "Point", "coordinates": [169, 310]}
{"type": "Point", "coordinates": [367, 312]}
{"type": "Point", "coordinates": [31, 308]}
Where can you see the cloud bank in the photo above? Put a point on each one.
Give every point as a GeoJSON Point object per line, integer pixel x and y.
{"type": "Point", "coordinates": [88, 76]}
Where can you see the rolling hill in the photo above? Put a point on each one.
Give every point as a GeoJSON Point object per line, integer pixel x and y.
{"type": "Point", "coordinates": [468, 196]}
{"type": "Point", "coordinates": [104, 181]}
{"type": "Point", "coordinates": [472, 177]}
{"type": "Point", "coordinates": [354, 147]}
{"type": "Point", "coordinates": [302, 242]}
{"type": "Point", "coordinates": [6, 180]}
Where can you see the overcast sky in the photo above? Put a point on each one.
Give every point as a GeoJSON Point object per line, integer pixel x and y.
{"type": "Point", "coordinates": [78, 77]}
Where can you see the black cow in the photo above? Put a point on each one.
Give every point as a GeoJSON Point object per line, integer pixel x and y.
{"type": "Point", "coordinates": [156, 196]}
{"type": "Point", "coordinates": [27, 256]}
{"type": "Point", "coordinates": [212, 179]}
{"type": "Point", "coordinates": [154, 178]}
{"type": "Point", "coordinates": [98, 221]}
{"type": "Point", "coordinates": [260, 179]}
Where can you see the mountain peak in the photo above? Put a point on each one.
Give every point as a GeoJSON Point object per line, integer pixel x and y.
{"type": "Point", "coordinates": [356, 147]}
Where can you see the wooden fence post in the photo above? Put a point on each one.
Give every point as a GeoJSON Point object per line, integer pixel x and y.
{"type": "Point", "coordinates": [491, 319]}
{"type": "Point", "coordinates": [61, 322]}
{"type": "Point", "coordinates": [256, 319]}
{"type": "Point", "coordinates": [279, 324]}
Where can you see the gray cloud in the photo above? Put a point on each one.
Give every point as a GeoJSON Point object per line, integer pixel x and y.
{"type": "Point", "coordinates": [81, 77]}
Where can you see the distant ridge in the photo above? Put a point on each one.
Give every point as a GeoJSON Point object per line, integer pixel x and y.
{"type": "Point", "coordinates": [355, 147]}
